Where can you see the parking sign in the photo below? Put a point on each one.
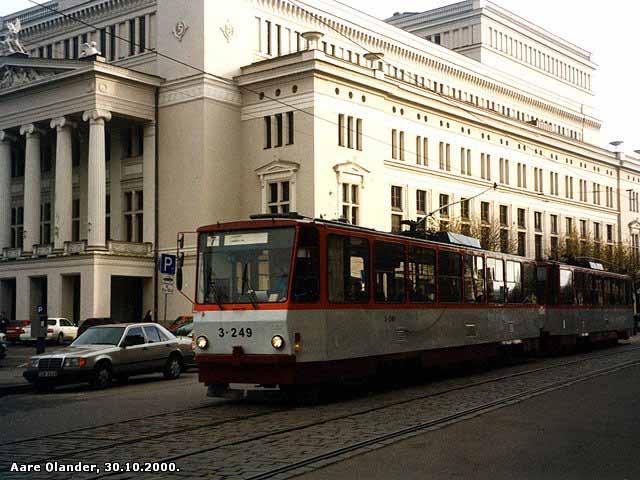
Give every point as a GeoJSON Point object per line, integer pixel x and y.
{"type": "Point", "coordinates": [168, 264]}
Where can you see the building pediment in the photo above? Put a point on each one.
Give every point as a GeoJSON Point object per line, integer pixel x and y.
{"type": "Point", "coordinates": [635, 224]}
{"type": "Point", "coordinates": [277, 166]}
{"type": "Point", "coordinates": [20, 72]}
{"type": "Point", "coordinates": [351, 167]}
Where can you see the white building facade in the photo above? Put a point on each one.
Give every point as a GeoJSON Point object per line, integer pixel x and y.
{"type": "Point", "coordinates": [193, 115]}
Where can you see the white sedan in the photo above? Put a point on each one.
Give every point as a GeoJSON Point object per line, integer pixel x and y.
{"type": "Point", "coordinates": [58, 329]}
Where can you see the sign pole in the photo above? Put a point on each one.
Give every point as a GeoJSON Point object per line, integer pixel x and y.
{"type": "Point", "coordinates": [165, 308]}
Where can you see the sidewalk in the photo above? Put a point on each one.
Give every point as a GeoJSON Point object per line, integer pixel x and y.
{"type": "Point", "coordinates": [11, 368]}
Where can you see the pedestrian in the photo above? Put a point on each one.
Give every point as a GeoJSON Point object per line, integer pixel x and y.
{"type": "Point", "coordinates": [4, 322]}
{"type": "Point", "coordinates": [147, 317]}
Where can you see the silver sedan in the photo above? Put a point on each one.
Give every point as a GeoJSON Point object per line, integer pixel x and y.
{"type": "Point", "coordinates": [118, 351]}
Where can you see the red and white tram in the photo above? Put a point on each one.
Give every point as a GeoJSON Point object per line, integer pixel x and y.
{"type": "Point", "coordinates": [288, 301]}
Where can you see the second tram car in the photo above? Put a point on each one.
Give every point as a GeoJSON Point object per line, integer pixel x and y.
{"type": "Point", "coordinates": [282, 302]}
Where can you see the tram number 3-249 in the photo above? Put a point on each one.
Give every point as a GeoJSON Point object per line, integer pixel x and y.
{"type": "Point", "coordinates": [235, 332]}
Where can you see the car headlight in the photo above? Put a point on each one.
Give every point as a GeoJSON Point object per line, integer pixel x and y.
{"type": "Point", "coordinates": [277, 342]}
{"type": "Point", "coordinates": [75, 362]}
{"type": "Point", "coordinates": [202, 342]}
{"type": "Point", "coordinates": [33, 362]}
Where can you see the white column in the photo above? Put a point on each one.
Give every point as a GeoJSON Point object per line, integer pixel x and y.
{"type": "Point", "coordinates": [32, 187]}
{"type": "Point", "coordinates": [147, 31]}
{"type": "Point", "coordinates": [97, 178]}
{"type": "Point", "coordinates": [149, 183]}
{"type": "Point", "coordinates": [5, 189]}
{"type": "Point", "coordinates": [63, 209]}
{"type": "Point", "coordinates": [116, 186]}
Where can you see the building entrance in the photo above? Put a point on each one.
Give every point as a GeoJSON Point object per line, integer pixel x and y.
{"type": "Point", "coordinates": [126, 299]}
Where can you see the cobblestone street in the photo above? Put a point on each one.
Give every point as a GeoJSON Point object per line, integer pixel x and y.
{"type": "Point", "coordinates": [243, 440]}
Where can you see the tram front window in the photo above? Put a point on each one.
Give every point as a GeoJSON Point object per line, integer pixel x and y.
{"type": "Point", "coordinates": [248, 266]}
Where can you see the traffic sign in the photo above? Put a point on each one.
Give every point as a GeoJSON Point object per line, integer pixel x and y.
{"type": "Point", "coordinates": [168, 264]}
{"type": "Point", "coordinates": [167, 280]}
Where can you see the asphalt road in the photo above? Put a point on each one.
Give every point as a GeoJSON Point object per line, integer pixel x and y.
{"type": "Point", "coordinates": [586, 431]}
{"type": "Point", "coordinates": [30, 415]}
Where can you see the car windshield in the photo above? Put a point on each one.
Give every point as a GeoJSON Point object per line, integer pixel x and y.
{"type": "Point", "coordinates": [100, 336]}
{"type": "Point", "coordinates": [250, 266]}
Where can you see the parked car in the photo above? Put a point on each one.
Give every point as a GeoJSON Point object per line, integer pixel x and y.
{"type": "Point", "coordinates": [15, 329]}
{"type": "Point", "coordinates": [112, 351]}
{"type": "Point", "coordinates": [58, 329]}
{"type": "Point", "coordinates": [93, 322]}
{"type": "Point", "coordinates": [180, 321]}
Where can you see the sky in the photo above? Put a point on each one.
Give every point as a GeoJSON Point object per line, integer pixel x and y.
{"type": "Point", "coordinates": [608, 30]}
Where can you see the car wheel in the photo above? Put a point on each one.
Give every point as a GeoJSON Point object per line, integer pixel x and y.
{"type": "Point", "coordinates": [173, 368]}
{"type": "Point", "coordinates": [102, 376]}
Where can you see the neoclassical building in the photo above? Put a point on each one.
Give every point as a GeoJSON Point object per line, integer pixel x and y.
{"type": "Point", "coordinates": [184, 113]}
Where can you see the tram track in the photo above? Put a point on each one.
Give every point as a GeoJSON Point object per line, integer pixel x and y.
{"type": "Point", "coordinates": [451, 418]}
{"type": "Point", "coordinates": [238, 419]}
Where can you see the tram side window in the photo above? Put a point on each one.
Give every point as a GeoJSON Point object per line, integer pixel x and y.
{"type": "Point", "coordinates": [579, 279]}
{"type": "Point", "coordinates": [541, 286]}
{"type": "Point", "coordinates": [389, 272]}
{"type": "Point", "coordinates": [598, 290]}
{"type": "Point", "coordinates": [495, 280]}
{"type": "Point", "coordinates": [566, 287]}
{"type": "Point", "coordinates": [529, 286]}
{"type": "Point", "coordinates": [348, 278]}
{"type": "Point", "coordinates": [514, 282]}
{"type": "Point", "coordinates": [474, 279]}
{"type": "Point", "coordinates": [306, 280]}
{"type": "Point", "coordinates": [450, 277]}
{"type": "Point", "coordinates": [422, 275]}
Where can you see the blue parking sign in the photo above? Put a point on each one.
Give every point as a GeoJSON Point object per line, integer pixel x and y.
{"type": "Point", "coordinates": [168, 264]}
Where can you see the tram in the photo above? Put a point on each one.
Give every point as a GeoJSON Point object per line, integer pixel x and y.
{"type": "Point", "coordinates": [288, 301]}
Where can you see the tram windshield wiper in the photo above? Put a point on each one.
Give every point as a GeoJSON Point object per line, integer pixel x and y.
{"type": "Point", "coordinates": [246, 283]}
{"type": "Point", "coordinates": [214, 290]}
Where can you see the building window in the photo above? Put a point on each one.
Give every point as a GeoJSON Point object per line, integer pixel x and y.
{"type": "Point", "coordinates": [133, 142]}
{"type": "Point", "coordinates": [583, 229]}
{"type": "Point", "coordinates": [609, 194]}
{"type": "Point", "coordinates": [485, 166]}
{"type": "Point", "coordinates": [522, 218]}
{"type": "Point", "coordinates": [396, 198]}
{"type": "Point", "coordinates": [568, 187]}
{"type": "Point", "coordinates": [504, 171]}
{"type": "Point", "coordinates": [401, 145]}
{"type": "Point", "coordinates": [504, 215]}
{"type": "Point", "coordinates": [17, 162]}
{"type": "Point", "coordinates": [45, 223]}
{"type": "Point", "coordinates": [537, 221]}
{"type": "Point", "coordinates": [485, 212]}
{"type": "Point", "coordinates": [353, 130]}
{"type": "Point", "coordinates": [421, 202]}
{"type": "Point", "coordinates": [464, 209]}
{"type": "Point", "coordinates": [133, 216]}
{"type": "Point", "coordinates": [351, 203]}
{"type": "Point", "coordinates": [107, 219]}
{"type": "Point", "coordinates": [76, 48]}
{"type": "Point", "coordinates": [112, 43]}
{"type": "Point", "coordinates": [67, 49]}
{"type": "Point", "coordinates": [553, 183]}
{"type": "Point", "coordinates": [569, 227]}
{"type": "Point", "coordinates": [17, 227]}
{"type": "Point", "coordinates": [142, 42]}
{"type": "Point", "coordinates": [465, 161]}
{"type": "Point", "coordinates": [444, 205]}
{"type": "Point", "coordinates": [553, 224]}
{"type": "Point", "coordinates": [75, 220]}
{"type": "Point", "coordinates": [422, 150]}
{"type": "Point", "coordinates": [132, 37]}
{"type": "Point", "coordinates": [341, 128]}
{"type": "Point", "coordinates": [275, 137]}
{"type": "Point", "coordinates": [445, 156]}
{"type": "Point", "coordinates": [597, 233]}
{"type": "Point", "coordinates": [609, 233]}
{"type": "Point", "coordinates": [522, 175]}
{"type": "Point", "coordinates": [522, 244]}
{"type": "Point", "coordinates": [596, 193]}
{"type": "Point", "coordinates": [538, 185]}
{"type": "Point", "coordinates": [538, 246]}
{"type": "Point", "coordinates": [279, 197]}
{"type": "Point", "coordinates": [634, 206]}
{"type": "Point", "coordinates": [583, 190]}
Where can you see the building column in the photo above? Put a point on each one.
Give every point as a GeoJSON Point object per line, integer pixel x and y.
{"type": "Point", "coordinates": [54, 295]}
{"type": "Point", "coordinates": [32, 187]}
{"type": "Point", "coordinates": [115, 189]}
{"type": "Point", "coordinates": [62, 231]}
{"type": "Point", "coordinates": [97, 181]}
{"type": "Point", "coordinates": [149, 183]}
{"type": "Point", "coordinates": [5, 189]}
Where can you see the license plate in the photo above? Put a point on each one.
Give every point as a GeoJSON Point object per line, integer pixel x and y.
{"type": "Point", "coordinates": [48, 374]}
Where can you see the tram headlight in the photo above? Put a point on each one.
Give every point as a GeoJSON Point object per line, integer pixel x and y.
{"type": "Point", "coordinates": [202, 342]}
{"type": "Point", "coordinates": [277, 342]}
